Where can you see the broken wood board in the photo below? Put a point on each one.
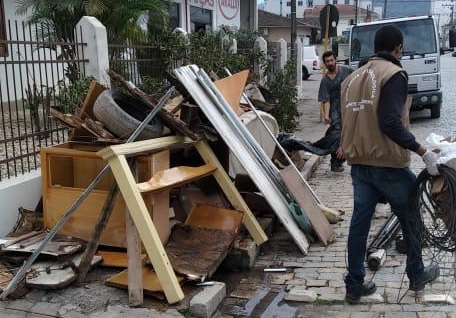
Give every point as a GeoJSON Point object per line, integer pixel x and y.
{"type": "Point", "coordinates": [212, 217]}
{"type": "Point", "coordinates": [232, 88]}
{"type": "Point", "coordinates": [54, 275]}
{"type": "Point", "coordinates": [304, 198]}
{"type": "Point", "coordinates": [242, 150]}
{"type": "Point", "coordinates": [116, 259]}
{"type": "Point", "coordinates": [175, 177]}
{"type": "Point", "coordinates": [93, 130]}
{"type": "Point", "coordinates": [196, 252]}
{"type": "Point", "coordinates": [151, 283]}
{"type": "Point", "coordinates": [59, 246]}
{"type": "Point", "coordinates": [8, 241]}
{"type": "Point", "coordinates": [86, 111]}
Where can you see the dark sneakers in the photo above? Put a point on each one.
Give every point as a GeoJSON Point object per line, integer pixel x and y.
{"type": "Point", "coordinates": [365, 290]}
{"type": "Point", "coordinates": [430, 274]}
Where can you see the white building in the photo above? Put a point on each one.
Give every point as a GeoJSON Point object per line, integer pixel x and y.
{"type": "Point", "coordinates": [193, 15]}
{"type": "Point", "coordinates": [283, 7]}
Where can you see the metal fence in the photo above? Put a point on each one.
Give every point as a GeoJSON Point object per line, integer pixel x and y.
{"type": "Point", "coordinates": [34, 68]}
{"type": "Point", "coordinates": [139, 59]}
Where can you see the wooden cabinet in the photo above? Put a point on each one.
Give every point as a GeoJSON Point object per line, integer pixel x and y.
{"type": "Point", "coordinates": [68, 169]}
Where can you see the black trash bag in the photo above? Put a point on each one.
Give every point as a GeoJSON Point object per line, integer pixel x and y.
{"type": "Point", "coordinates": [326, 145]}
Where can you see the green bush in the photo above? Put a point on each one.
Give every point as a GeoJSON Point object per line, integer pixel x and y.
{"type": "Point", "coordinates": [284, 89]}
{"type": "Point", "coordinates": [72, 95]}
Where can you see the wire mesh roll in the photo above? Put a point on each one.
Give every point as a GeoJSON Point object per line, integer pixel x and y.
{"type": "Point", "coordinates": [432, 208]}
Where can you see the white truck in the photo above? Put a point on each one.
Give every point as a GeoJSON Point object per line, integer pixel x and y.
{"type": "Point", "coordinates": [420, 57]}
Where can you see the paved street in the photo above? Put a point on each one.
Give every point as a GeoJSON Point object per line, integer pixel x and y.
{"type": "Point", "coordinates": [322, 270]}
{"type": "Point", "coordinates": [257, 294]}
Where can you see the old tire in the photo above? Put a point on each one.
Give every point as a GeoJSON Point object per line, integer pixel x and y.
{"type": "Point", "coordinates": [435, 110]}
{"type": "Point", "coordinates": [122, 114]}
{"type": "Point", "coordinates": [305, 73]}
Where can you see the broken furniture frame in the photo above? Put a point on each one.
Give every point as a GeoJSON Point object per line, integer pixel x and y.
{"type": "Point", "coordinates": [57, 227]}
{"type": "Point", "coordinates": [116, 157]}
{"type": "Point", "coordinates": [259, 167]}
{"type": "Point", "coordinates": [301, 190]}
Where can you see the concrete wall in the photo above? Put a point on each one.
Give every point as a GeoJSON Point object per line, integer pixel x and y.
{"type": "Point", "coordinates": [23, 191]}
{"type": "Point", "coordinates": [274, 34]}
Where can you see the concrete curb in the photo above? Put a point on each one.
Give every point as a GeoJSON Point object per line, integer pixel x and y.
{"type": "Point", "coordinates": [310, 166]}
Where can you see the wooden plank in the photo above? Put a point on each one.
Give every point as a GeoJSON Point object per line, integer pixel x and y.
{"type": "Point", "coordinates": [86, 110]}
{"type": "Point", "coordinates": [59, 246]}
{"type": "Point", "coordinates": [135, 279]}
{"type": "Point", "coordinates": [116, 259]}
{"type": "Point", "coordinates": [144, 146]}
{"type": "Point", "coordinates": [146, 229]}
{"type": "Point", "coordinates": [159, 202]}
{"type": "Point", "coordinates": [232, 87]}
{"type": "Point", "coordinates": [174, 177]}
{"type": "Point", "coordinates": [212, 217]}
{"type": "Point", "coordinates": [242, 150]}
{"type": "Point", "coordinates": [304, 198]}
{"type": "Point", "coordinates": [232, 193]}
{"type": "Point", "coordinates": [196, 252]}
{"type": "Point", "coordinates": [151, 283]}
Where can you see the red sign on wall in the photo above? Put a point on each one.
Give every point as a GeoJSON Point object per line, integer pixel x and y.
{"type": "Point", "coordinates": [229, 8]}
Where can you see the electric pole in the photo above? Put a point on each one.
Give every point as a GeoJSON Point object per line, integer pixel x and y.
{"type": "Point", "coordinates": [356, 12]}
{"type": "Point", "coordinates": [385, 4]}
{"type": "Point", "coordinates": [293, 29]}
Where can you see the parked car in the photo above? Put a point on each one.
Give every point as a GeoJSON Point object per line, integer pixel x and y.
{"type": "Point", "coordinates": [310, 61]}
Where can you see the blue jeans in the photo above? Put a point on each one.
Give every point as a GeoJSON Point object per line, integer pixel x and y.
{"type": "Point", "coordinates": [369, 184]}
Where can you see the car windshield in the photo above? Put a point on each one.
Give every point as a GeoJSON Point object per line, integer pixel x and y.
{"type": "Point", "coordinates": [419, 38]}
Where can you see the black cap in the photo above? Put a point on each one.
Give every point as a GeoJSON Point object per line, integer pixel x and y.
{"type": "Point", "coordinates": [387, 38]}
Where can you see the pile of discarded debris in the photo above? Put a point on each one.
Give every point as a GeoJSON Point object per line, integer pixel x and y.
{"type": "Point", "coordinates": [151, 186]}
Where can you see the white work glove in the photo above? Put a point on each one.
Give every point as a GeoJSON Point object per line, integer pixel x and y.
{"type": "Point", "coordinates": [430, 159]}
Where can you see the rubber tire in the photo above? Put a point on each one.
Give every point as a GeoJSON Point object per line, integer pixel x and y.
{"type": "Point", "coordinates": [435, 110]}
{"type": "Point", "coordinates": [305, 73]}
{"type": "Point", "coordinates": [122, 114]}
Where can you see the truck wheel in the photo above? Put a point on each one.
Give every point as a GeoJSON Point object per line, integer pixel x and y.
{"type": "Point", "coordinates": [305, 73]}
{"type": "Point", "coordinates": [435, 110]}
{"type": "Point", "coordinates": [122, 114]}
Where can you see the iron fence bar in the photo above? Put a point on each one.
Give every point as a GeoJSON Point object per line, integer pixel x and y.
{"type": "Point", "coordinates": [138, 46]}
{"type": "Point", "coordinates": [26, 69]}
{"type": "Point", "coordinates": [42, 43]}
{"type": "Point", "coordinates": [48, 61]}
{"type": "Point", "coordinates": [38, 128]}
{"type": "Point", "coordinates": [45, 106]}
{"type": "Point", "coordinates": [19, 131]}
{"type": "Point", "coordinates": [134, 60]}
{"type": "Point", "coordinates": [34, 134]}
{"type": "Point", "coordinates": [29, 154]}
{"type": "Point", "coordinates": [9, 105]}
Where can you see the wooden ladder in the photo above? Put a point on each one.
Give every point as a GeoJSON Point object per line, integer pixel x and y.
{"type": "Point", "coordinates": [162, 181]}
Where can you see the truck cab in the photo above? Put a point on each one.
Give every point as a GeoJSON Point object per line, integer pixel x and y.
{"type": "Point", "coordinates": [420, 57]}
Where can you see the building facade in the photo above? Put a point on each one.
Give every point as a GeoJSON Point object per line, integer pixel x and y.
{"type": "Point", "coordinates": [283, 7]}
{"type": "Point", "coordinates": [404, 8]}
{"type": "Point", "coordinates": [195, 15]}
